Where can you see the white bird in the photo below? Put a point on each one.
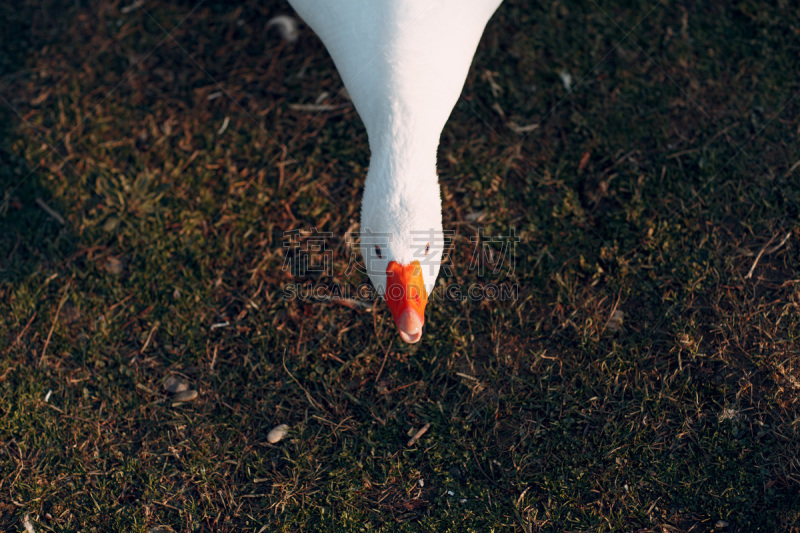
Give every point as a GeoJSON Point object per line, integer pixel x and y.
{"type": "Point", "coordinates": [403, 63]}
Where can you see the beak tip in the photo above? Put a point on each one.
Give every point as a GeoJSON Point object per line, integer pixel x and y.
{"type": "Point", "coordinates": [410, 338]}
{"type": "Point", "coordinates": [410, 326]}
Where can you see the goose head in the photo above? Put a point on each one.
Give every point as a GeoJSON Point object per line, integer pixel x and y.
{"type": "Point", "coordinates": [402, 243]}
{"type": "Point", "coordinates": [404, 64]}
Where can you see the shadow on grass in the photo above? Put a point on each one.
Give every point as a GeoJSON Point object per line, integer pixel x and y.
{"type": "Point", "coordinates": [30, 238]}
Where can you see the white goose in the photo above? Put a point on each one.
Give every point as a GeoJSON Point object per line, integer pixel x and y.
{"type": "Point", "coordinates": [404, 63]}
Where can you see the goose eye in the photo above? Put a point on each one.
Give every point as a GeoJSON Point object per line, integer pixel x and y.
{"type": "Point", "coordinates": [378, 251]}
{"type": "Point", "coordinates": [427, 248]}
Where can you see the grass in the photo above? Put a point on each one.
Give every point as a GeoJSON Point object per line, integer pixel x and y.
{"type": "Point", "coordinates": [640, 381]}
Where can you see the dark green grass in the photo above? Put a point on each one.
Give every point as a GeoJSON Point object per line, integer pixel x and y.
{"type": "Point", "coordinates": [649, 188]}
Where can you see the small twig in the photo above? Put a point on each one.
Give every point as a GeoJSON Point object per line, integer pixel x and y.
{"type": "Point", "coordinates": [149, 337]}
{"type": "Point", "coordinates": [50, 211]}
{"type": "Point", "coordinates": [516, 128]}
{"type": "Point", "coordinates": [24, 330]}
{"type": "Point", "coordinates": [791, 169]}
{"type": "Point", "coordinates": [308, 395]}
{"type": "Point", "coordinates": [127, 9]}
{"type": "Point", "coordinates": [168, 506]}
{"type": "Point", "coordinates": [147, 389]}
{"type": "Point", "coordinates": [224, 126]}
{"type": "Point", "coordinates": [758, 258]}
{"type": "Point", "coordinates": [299, 341]}
{"type": "Point", "coordinates": [721, 132]}
{"type": "Point", "coordinates": [778, 246]}
{"type": "Point", "coordinates": [765, 251]}
{"type": "Point", "coordinates": [214, 358]}
{"type": "Point", "coordinates": [682, 152]}
{"type": "Point", "coordinates": [385, 356]}
{"type": "Point", "coordinates": [478, 463]}
{"type": "Point", "coordinates": [55, 320]}
{"type": "Point", "coordinates": [353, 304]}
{"type": "Point", "coordinates": [612, 315]}
{"type": "Point", "coordinates": [314, 108]}
{"type": "Point", "coordinates": [424, 429]}
{"type": "Point", "coordinates": [375, 326]}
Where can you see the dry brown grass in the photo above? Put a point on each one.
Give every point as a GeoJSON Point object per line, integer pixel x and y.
{"type": "Point", "coordinates": [645, 378]}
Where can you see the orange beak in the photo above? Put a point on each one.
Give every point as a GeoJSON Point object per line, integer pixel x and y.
{"type": "Point", "coordinates": [406, 297]}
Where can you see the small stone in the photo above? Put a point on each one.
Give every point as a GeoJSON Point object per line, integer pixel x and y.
{"type": "Point", "coordinates": [277, 433]}
{"type": "Point", "coordinates": [185, 396]}
{"type": "Point", "coordinates": [614, 324]}
{"type": "Point", "coordinates": [174, 384]}
{"type": "Point", "coordinates": [455, 472]}
{"type": "Point", "coordinates": [421, 482]}
{"type": "Point", "coordinates": [28, 526]}
{"type": "Point", "coordinates": [721, 524]}
{"type": "Point", "coordinates": [114, 265]}
{"type": "Point", "coordinates": [566, 79]}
